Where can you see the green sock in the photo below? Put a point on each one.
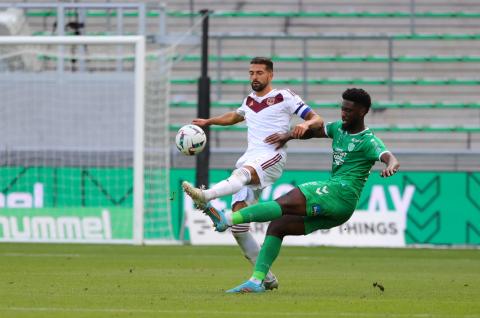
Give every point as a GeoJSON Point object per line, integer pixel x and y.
{"type": "Point", "coordinates": [261, 212]}
{"type": "Point", "coordinates": [268, 253]}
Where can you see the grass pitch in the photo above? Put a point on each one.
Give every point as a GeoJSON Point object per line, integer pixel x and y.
{"type": "Point", "coordinates": [40, 280]}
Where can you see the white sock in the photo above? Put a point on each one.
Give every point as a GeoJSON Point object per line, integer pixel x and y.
{"type": "Point", "coordinates": [231, 185]}
{"type": "Point", "coordinates": [250, 249]}
{"type": "Point", "coordinates": [228, 216]}
{"type": "Point", "coordinates": [248, 244]}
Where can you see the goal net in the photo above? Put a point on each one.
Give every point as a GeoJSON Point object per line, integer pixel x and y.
{"type": "Point", "coordinates": [84, 144]}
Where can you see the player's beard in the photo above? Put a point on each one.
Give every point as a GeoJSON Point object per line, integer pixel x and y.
{"type": "Point", "coordinates": [347, 125]}
{"type": "Point", "coordinates": [258, 86]}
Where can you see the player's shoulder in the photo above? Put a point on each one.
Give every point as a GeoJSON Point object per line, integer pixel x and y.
{"type": "Point", "coordinates": [370, 139]}
{"type": "Point", "coordinates": [369, 134]}
{"type": "Point", "coordinates": [290, 97]}
{"type": "Point", "coordinates": [286, 92]}
{"type": "Point", "coordinates": [333, 128]}
{"type": "Point", "coordinates": [337, 125]}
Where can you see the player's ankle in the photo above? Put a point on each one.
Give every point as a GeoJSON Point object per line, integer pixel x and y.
{"type": "Point", "coordinates": [209, 194]}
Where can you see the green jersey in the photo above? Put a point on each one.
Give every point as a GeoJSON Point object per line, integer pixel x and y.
{"type": "Point", "coordinates": [353, 155]}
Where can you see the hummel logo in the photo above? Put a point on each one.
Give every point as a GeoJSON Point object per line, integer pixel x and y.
{"type": "Point", "coordinates": [321, 191]}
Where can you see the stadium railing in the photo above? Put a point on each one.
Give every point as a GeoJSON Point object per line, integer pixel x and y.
{"type": "Point", "coordinates": [341, 81]}
{"type": "Point", "coordinates": [340, 58]}
{"type": "Point", "coordinates": [331, 14]}
{"type": "Point", "coordinates": [391, 128]}
{"type": "Point", "coordinates": [333, 104]}
{"type": "Point", "coordinates": [159, 12]}
{"type": "Point", "coordinates": [240, 14]}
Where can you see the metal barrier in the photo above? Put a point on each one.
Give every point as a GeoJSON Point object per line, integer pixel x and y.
{"type": "Point", "coordinates": [60, 11]}
{"type": "Point", "coordinates": [333, 104]}
{"type": "Point", "coordinates": [305, 41]}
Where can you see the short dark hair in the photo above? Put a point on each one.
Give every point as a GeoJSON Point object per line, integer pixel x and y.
{"type": "Point", "coordinates": [263, 60]}
{"type": "Point", "coordinates": [358, 96]}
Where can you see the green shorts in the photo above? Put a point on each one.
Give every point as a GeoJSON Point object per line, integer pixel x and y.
{"type": "Point", "coordinates": [329, 204]}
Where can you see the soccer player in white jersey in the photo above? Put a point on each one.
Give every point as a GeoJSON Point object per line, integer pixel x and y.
{"type": "Point", "coordinates": [266, 111]}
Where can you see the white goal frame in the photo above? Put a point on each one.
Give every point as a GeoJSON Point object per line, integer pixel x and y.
{"type": "Point", "coordinates": [139, 103]}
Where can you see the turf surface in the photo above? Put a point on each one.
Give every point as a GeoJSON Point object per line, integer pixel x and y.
{"type": "Point", "coordinates": [40, 280]}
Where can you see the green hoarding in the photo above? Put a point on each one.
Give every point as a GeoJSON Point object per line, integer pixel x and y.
{"type": "Point", "coordinates": [441, 208]}
{"type": "Point", "coordinates": [66, 204]}
{"type": "Point", "coordinates": [66, 224]}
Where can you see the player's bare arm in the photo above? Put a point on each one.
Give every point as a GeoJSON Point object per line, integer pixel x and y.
{"type": "Point", "coordinates": [310, 128]}
{"type": "Point", "coordinates": [391, 163]}
{"type": "Point", "coordinates": [313, 121]}
{"type": "Point", "coordinates": [227, 119]}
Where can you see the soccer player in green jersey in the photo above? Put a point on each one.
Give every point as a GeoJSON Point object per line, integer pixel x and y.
{"type": "Point", "coordinates": [319, 204]}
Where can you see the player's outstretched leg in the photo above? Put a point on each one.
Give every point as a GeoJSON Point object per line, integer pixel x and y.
{"type": "Point", "coordinates": [232, 184]}
{"type": "Point", "coordinates": [261, 212]}
{"type": "Point", "coordinates": [247, 287]}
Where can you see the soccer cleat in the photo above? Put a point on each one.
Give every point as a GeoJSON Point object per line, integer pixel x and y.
{"type": "Point", "coordinates": [218, 218]}
{"type": "Point", "coordinates": [271, 285]}
{"type": "Point", "coordinates": [247, 287]}
{"type": "Point", "coordinates": [196, 194]}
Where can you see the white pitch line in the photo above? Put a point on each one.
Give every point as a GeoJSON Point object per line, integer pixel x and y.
{"type": "Point", "coordinates": [38, 255]}
{"type": "Point", "coordinates": [224, 313]}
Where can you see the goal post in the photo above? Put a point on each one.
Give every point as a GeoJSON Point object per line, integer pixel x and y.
{"type": "Point", "coordinates": [139, 136]}
{"type": "Point", "coordinates": [84, 148]}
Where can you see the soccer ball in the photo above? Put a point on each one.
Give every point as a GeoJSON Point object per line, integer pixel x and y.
{"type": "Point", "coordinates": [190, 140]}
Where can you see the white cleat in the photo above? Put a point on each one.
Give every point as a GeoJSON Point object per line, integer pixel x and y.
{"type": "Point", "coordinates": [196, 194]}
{"type": "Point", "coordinates": [271, 285]}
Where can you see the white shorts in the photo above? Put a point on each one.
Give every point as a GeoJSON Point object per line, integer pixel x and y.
{"type": "Point", "coordinates": [269, 167]}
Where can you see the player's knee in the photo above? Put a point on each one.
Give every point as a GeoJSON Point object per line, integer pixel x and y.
{"type": "Point", "coordinates": [242, 174]}
{"type": "Point", "coordinates": [238, 205]}
{"type": "Point", "coordinates": [277, 228]}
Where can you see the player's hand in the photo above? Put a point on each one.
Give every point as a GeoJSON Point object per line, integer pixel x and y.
{"type": "Point", "coordinates": [278, 139]}
{"type": "Point", "coordinates": [200, 122]}
{"type": "Point", "coordinates": [299, 130]}
{"type": "Point", "coordinates": [390, 170]}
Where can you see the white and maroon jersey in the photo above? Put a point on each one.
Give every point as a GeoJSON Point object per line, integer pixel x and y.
{"type": "Point", "coordinates": [270, 114]}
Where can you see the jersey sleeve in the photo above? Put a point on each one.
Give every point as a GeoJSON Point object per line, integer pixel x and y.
{"type": "Point", "coordinates": [242, 109]}
{"type": "Point", "coordinates": [331, 128]}
{"type": "Point", "coordinates": [375, 148]}
{"type": "Point", "coordinates": [297, 105]}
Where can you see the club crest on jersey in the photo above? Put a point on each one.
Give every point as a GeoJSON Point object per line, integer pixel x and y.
{"type": "Point", "coordinates": [270, 101]}
{"type": "Point", "coordinates": [351, 146]}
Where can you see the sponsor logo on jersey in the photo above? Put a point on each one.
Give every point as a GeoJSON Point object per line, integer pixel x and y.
{"type": "Point", "coordinates": [323, 190]}
{"type": "Point", "coordinates": [339, 157]}
{"type": "Point", "coordinates": [316, 210]}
